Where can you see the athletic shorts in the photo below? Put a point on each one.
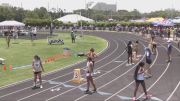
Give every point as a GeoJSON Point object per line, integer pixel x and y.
{"type": "Point", "coordinates": [149, 61]}
{"type": "Point", "coordinates": [154, 46]}
{"type": "Point", "coordinates": [89, 74]}
{"type": "Point", "coordinates": [37, 72]}
{"type": "Point", "coordinates": [139, 81]}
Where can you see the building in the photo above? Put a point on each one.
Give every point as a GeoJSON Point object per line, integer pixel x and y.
{"type": "Point", "coordinates": [5, 5]}
{"type": "Point", "coordinates": [101, 6]}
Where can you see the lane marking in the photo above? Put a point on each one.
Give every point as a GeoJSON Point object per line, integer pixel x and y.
{"type": "Point", "coordinates": [118, 61]}
{"type": "Point", "coordinates": [104, 93]}
{"type": "Point", "coordinates": [56, 89]}
{"type": "Point", "coordinates": [168, 99]}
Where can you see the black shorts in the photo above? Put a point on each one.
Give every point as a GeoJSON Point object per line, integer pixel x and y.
{"type": "Point", "coordinates": [139, 81]}
{"type": "Point", "coordinates": [154, 46]}
{"type": "Point", "coordinates": [37, 72]}
{"type": "Point", "coordinates": [149, 61]}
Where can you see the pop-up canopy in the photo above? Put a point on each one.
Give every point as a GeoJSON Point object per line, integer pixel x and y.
{"type": "Point", "coordinates": [74, 18]}
{"type": "Point", "coordinates": [11, 23]}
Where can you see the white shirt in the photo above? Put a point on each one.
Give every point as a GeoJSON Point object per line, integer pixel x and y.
{"type": "Point", "coordinates": [37, 66]}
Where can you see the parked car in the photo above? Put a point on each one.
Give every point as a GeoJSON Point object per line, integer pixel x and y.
{"type": "Point", "coordinates": [23, 32]}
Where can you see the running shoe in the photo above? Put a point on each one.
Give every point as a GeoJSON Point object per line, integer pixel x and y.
{"type": "Point", "coordinates": [86, 92]}
{"type": "Point", "coordinates": [94, 91]}
{"type": "Point", "coordinates": [34, 84]}
{"type": "Point", "coordinates": [148, 96]}
{"type": "Point", "coordinates": [134, 99]}
{"type": "Point", "coordinates": [41, 86]}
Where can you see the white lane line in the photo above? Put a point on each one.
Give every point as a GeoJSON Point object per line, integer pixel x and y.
{"type": "Point", "coordinates": [61, 75]}
{"type": "Point", "coordinates": [168, 99]}
{"type": "Point", "coordinates": [130, 83]}
{"type": "Point", "coordinates": [84, 84]}
{"type": "Point", "coordinates": [118, 61]}
{"type": "Point", "coordinates": [57, 70]}
{"type": "Point", "coordinates": [70, 80]}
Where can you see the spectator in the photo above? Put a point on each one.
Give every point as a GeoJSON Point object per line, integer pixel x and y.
{"type": "Point", "coordinates": [73, 37]}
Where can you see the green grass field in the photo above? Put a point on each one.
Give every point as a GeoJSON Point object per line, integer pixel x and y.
{"type": "Point", "coordinates": [21, 53]}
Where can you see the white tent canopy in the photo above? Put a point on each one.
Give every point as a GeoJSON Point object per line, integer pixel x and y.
{"type": "Point", "coordinates": [11, 23]}
{"type": "Point", "coordinates": [74, 18]}
{"type": "Point", "coordinates": [176, 20]}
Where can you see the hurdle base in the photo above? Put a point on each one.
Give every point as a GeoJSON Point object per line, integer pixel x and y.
{"type": "Point", "coordinates": [79, 81]}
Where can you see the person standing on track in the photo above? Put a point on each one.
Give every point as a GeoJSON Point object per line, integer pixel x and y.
{"type": "Point", "coordinates": [139, 79]}
{"type": "Point", "coordinates": [136, 49]}
{"type": "Point", "coordinates": [37, 69]}
{"type": "Point", "coordinates": [169, 50]}
{"type": "Point", "coordinates": [129, 51]}
{"type": "Point", "coordinates": [89, 74]}
{"type": "Point", "coordinates": [148, 60]}
{"type": "Point", "coordinates": [92, 55]}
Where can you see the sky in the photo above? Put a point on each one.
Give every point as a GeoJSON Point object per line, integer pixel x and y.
{"type": "Point", "coordinates": [70, 5]}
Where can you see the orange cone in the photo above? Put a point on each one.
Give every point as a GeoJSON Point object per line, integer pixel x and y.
{"type": "Point", "coordinates": [4, 67]}
{"type": "Point", "coordinates": [10, 68]}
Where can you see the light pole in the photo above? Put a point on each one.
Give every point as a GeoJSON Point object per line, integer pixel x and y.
{"type": "Point", "coordinates": [81, 26]}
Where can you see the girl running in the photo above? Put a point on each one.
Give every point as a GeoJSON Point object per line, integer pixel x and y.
{"type": "Point", "coordinates": [37, 69]}
{"type": "Point", "coordinates": [139, 79]}
{"type": "Point", "coordinates": [89, 74]}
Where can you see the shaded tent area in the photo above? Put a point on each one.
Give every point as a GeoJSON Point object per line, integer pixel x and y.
{"type": "Point", "coordinates": [139, 20]}
{"type": "Point", "coordinates": [11, 26]}
{"type": "Point", "coordinates": [176, 20]}
{"type": "Point", "coordinates": [165, 22]}
{"type": "Point", "coordinates": [74, 18]}
{"type": "Point", "coordinates": [156, 19]}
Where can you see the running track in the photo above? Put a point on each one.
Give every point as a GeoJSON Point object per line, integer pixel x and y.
{"type": "Point", "coordinates": [115, 80]}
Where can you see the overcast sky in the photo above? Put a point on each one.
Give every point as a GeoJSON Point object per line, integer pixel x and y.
{"type": "Point", "coordinates": [70, 5]}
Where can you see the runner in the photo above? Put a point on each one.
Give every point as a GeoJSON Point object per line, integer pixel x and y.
{"type": "Point", "coordinates": [148, 61]}
{"type": "Point", "coordinates": [37, 69]}
{"type": "Point", "coordinates": [89, 74]}
{"type": "Point", "coordinates": [169, 50]}
{"type": "Point", "coordinates": [139, 79]}
{"type": "Point", "coordinates": [129, 51]}
{"type": "Point", "coordinates": [153, 44]}
{"type": "Point", "coordinates": [136, 49]}
{"type": "Point", "coordinates": [92, 55]}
